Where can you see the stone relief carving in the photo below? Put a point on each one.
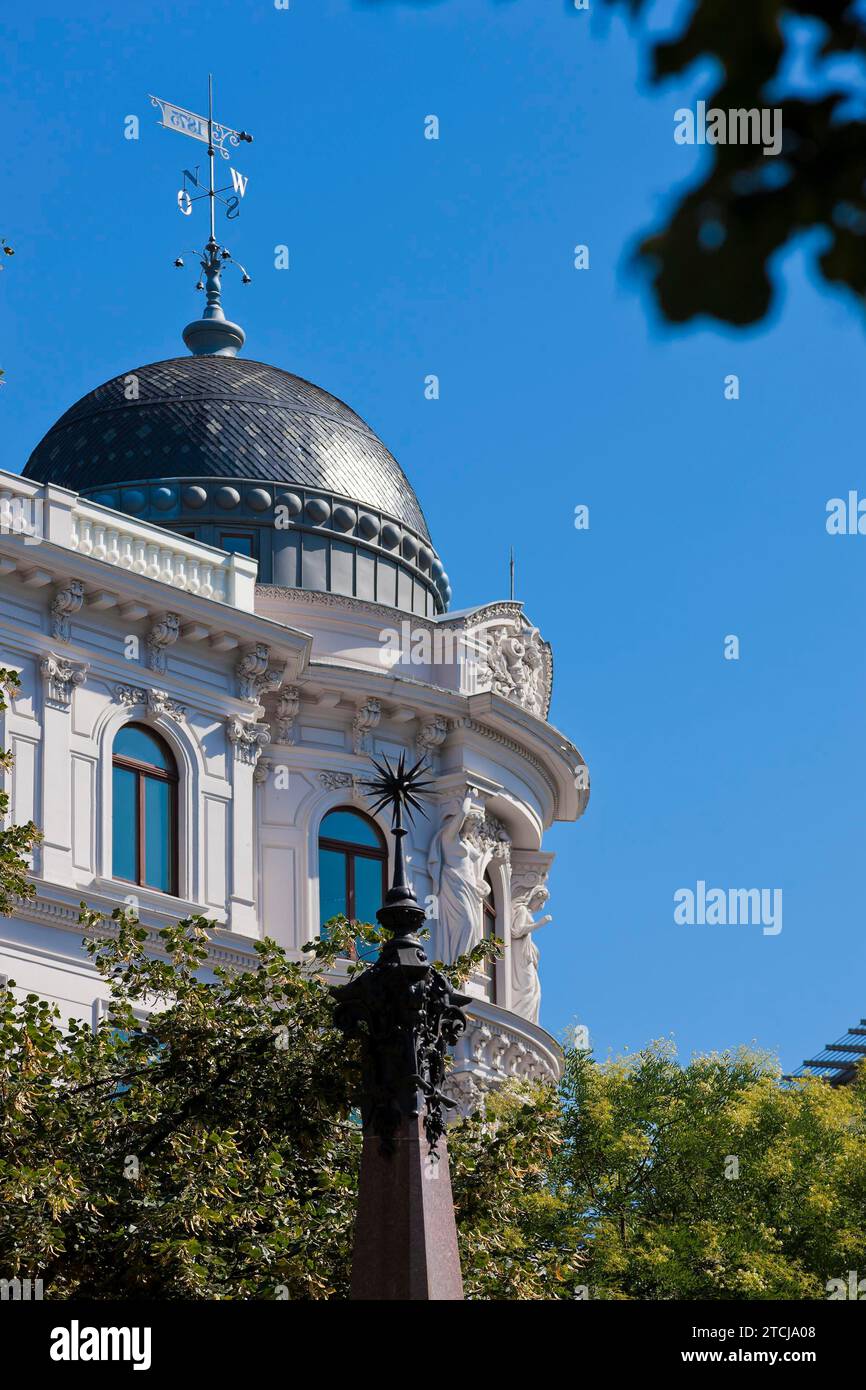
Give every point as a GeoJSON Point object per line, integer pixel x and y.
{"type": "Point", "coordinates": [255, 678]}
{"type": "Point", "coordinates": [248, 739]}
{"type": "Point", "coordinates": [460, 852]}
{"type": "Point", "coordinates": [528, 896]}
{"type": "Point", "coordinates": [337, 781]}
{"type": "Point", "coordinates": [365, 721]}
{"type": "Point", "coordinates": [287, 713]}
{"type": "Point", "coordinates": [514, 664]}
{"type": "Point", "coordinates": [430, 737]}
{"type": "Point", "coordinates": [61, 678]}
{"type": "Point", "coordinates": [162, 635]}
{"type": "Point", "coordinates": [157, 701]}
{"type": "Point", "coordinates": [67, 600]}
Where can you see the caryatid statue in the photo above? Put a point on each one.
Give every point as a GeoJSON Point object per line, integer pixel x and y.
{"type": "Point", "coordinates": [525, 986]}
{"type": "Point", "coordinates": [457, 862]}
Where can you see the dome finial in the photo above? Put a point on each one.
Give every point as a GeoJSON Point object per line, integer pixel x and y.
{"type": "Point", "coordinates": [212, 334]}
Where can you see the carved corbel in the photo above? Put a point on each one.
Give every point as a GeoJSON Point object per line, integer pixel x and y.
{"type": "Point", "coordinates": [255, 678]}
{"type": "Point", "coordinates": [67, 600]}
{"type": "Point", "coordinates": [287, 713]}
{"type": "Point", "coordinates": [162, 635]}
{"type": "Point", "coordinates": [366, 719]}
{"type": "Point", "coordinates": [430, 737]}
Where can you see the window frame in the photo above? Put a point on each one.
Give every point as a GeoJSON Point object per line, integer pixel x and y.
{"type": "Point", "coordinates": [488, 970]}
{"type": "Point", "coordinates": [240, 535]}
{"type": "Point", "coordinates": [142, 770]}
{"type": "Point", "coordinates": [350, 852]}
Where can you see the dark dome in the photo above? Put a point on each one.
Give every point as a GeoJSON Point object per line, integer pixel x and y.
{"type": "Point", "coordinates": [222, 417]}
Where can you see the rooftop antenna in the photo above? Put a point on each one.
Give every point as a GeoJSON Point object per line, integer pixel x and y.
{"type": "Point", "coordinates": [511, 570]}
{"type": "Point", "coordinates": [212, 334]}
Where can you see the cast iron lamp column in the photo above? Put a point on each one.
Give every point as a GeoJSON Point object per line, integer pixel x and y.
{"type": "Point", "coordinates": [406, 1015]}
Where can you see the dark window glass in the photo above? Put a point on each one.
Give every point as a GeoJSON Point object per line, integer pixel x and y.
{"type": "Point", "coordinates": [142, 746]}
{"type": "Point", "coordinates": [237, 544]}
{"type": "Point", "coordinates": [332, 884]}
{"type": "Point", "coordinates": [157, 832]}
{"type": "Point", "coordinates": [352, 871]}
{"type": "Point", "coordinates": [144, 813]}
{"type": "Point", "coordinates": [352, 828]}
{"type": "Point", "coordinates": [123, 814]}
{"type": "Point", "coordinates": [487, 972]}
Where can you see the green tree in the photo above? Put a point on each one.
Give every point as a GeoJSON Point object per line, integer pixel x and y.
{"type": "Point", "coordinates": [16, 841]}
{"type": "Point", "coordinates": [200, 1144]}
{"type": "Point", "coordinates": [711, 1181]}
{"type": "Point", "coordinates": [712, 253]}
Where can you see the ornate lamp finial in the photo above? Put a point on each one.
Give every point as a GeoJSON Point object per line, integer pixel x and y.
{"type": "Point", "coordinates": [398, 787]}
{"type": "Point", "coordinates": [212, 334]}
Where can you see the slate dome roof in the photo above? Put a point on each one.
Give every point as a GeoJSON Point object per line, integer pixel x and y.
{"type": "Point", "coordinates": [222, 417]}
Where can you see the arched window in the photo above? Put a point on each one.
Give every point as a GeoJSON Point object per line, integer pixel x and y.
{"type": "Point", "coordinates": [353, 870]}
{"type": "Point", "coordinates": [144, 809]}
{"type": "Point", "coordinates": [487, 969]}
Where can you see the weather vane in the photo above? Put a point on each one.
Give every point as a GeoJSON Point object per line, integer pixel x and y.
{"type": "Point", "coordinates": [212, 333]}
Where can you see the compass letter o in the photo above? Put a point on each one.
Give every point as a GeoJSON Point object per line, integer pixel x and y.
{"type": "Point", "coordinates": [184, 202]}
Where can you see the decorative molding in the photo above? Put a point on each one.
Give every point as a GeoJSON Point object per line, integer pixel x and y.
{"type": "Point", "coordinates": [130, 695]}
{"type": "Point", "coordinates": [491, 1052]}
{"type": "Point", "coordinates": [67, 600]}
{"type": "Point", "coordinates": [366, 719]}
{"type": "Point", "coordinates": [489, 834]}
{"type": "Point", "coordinates": [62, 678]}
{"type": "Point", "coordinates": [262, 770]}
{"type": "Point", "coordinates": [255, 678]}
{"type": "Point", "coordinates": [162, 635]}
{"type": "Point", "coordinates": [473, 726]}
{"type": "Point", "coordinates": [514, 663]}
{"type": "Point", "coordinates": [248, 739]}
{"type": "Point", "coordinates": [287, 712]}
{"type": "Point", "coordinates": [430, 736]}
{"type": "Point", "coordinates": [157, 701]}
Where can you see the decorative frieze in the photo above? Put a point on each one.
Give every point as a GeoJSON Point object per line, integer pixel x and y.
{"type": "Point", "coordinates": [67, 600]}
{"type": "Point", "coordinates": [366, 719]}
{"type": "Point", "coordinates": [130, 695]}
{"type": "Point", "coordinates": [247, 739]}
{"type": "Point", "coordinates": [255, 678]}
{"type": "Point", "coordinates": [159, 702]}
{"type": "Point", "coordinates": [156, 701]}
{"type": "Point", "coordinates": [61, 678]}
{"type": "Point", "coordinates": [162, 635]}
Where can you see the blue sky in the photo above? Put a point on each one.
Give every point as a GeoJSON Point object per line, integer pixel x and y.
{"type": "Point", "coordinates": [558, 387]}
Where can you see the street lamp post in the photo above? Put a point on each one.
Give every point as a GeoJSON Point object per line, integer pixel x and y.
{"type": "Point", "coordinates": [406, 1015]}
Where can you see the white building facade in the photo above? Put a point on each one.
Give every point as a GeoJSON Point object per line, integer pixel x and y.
{"type": "Point", "coordinates": [190, 739]}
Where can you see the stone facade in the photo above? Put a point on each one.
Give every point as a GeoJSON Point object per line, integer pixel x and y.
{"type": "Point", "coordinates": [272, 701]}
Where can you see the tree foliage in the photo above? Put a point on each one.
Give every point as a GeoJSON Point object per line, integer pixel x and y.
{"type": "Point", "coordinates": [713, 253]}
{"type": "Point", "coordinates": [16, 841]}
{"type": "Point", "coordinates": [202, 1143]}
{"type": "Point", "coordinates": [712, 1181]}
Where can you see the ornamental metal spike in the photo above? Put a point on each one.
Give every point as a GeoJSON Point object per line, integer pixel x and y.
{"type": "Point", "coordinates": [213, 334]}
{"type": "Point", "coordinates": [400, 788]}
